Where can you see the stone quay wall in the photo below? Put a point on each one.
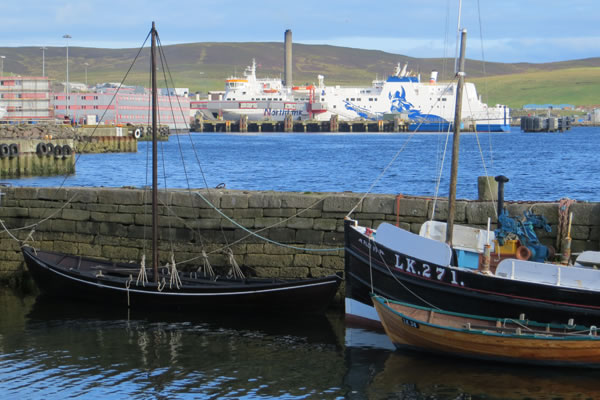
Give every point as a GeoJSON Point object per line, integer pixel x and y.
{"type": "Point", "coordinates": [110, 223]}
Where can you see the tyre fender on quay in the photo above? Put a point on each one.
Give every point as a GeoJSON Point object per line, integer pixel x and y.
{"type": "Point", "coordinates": [66, 151]}
{"type": "Point", "coordinates": [4, 150]}
{"type": "Point", "coordinates": [58, 153]}
{"type": "Point", "coordinates": [13, 149]}
{"type": "Point", "coordinates": [41, 149]}
{"type": "Point", "coordinates": [49, 149]}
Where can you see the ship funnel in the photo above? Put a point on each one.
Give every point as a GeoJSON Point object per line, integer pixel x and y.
{"type": "Point", "coordinates": [321, 79]}
{"type": "Point", "coordinates": [434, 75]}
{"type": "Point", "coordinates": [287, 60]}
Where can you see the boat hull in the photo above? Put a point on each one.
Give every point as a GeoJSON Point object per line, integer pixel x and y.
{"type": "Point", "coordinates": [79, 278]}
{"type": "Point", "coordinates": [406, 330]}
{"type": "Point", "coordinates": [371, 267]}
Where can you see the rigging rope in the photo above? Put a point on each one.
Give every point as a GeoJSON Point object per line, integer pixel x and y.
{"type": "Point", "coordinates": [142, 276]}
{"type": "Point", "coordinates": [175, 279]}
{"type": "Point", "coordinates": [402, 148]}
{"type": "Point", "coordinates": [206, 268]}
{"type": "Point", "coordinates": [251, 233]}
{"type": "Point", "coordinates": [235, 271]}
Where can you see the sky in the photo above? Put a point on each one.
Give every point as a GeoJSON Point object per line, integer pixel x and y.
{"type": "Point", "coordinates": [510, 31]}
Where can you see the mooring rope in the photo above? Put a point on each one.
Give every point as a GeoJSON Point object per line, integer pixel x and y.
{"type": "Point", "coordinates": [404, 286]}
{"type": "Point", "coordinates": [251, 233]}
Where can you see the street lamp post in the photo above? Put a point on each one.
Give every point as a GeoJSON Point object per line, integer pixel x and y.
{"type": "Point", "coordinates": [67, 91]}
{"type": "Point", "coordinates": [43, 60]}
{"type": "Point", "coordinates": [86, 65]}
{"type": "Point", "coordinates": [2, 65]}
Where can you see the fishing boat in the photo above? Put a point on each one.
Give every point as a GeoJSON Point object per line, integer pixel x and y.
{"type": "Point", "coordinates": [496, 339]}
{"type": "Point", "coordinates": [444, 265]}
{"type": "Point", "coordinates": [108, 282]}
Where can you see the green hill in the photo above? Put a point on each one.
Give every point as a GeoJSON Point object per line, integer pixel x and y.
{"type": "Point", "coordinates": [204, 66]}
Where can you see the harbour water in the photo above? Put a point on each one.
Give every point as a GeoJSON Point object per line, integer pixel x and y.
{"type": "Point", "coordinates": [51, 350]}
{"type": "Point", "coordinates": [540, 166]}
{"type": "Point", "coordinates": [55, 350]}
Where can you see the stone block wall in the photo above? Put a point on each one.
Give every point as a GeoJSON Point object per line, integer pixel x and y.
{"type": "Point", "coordinates": [110, 223]}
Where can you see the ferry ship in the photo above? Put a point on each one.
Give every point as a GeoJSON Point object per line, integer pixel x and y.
{"type": "Point", "coordinates": [428, 106]}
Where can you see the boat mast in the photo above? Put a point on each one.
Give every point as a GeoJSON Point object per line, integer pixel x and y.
{"type": "Point", "coordinates": [456, 138]}
{"type": "Point", "coordinates": [154, 157]}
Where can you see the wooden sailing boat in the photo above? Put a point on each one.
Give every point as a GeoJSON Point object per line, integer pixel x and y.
{"type": "Point", "coordinates": [422, 269]}
{"type": "Point", "coordinates": [108, 282]}
{"type": "Point", "coordinates": [497, 339]}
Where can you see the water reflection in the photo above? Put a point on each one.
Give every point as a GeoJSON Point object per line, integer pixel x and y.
{"type": "Point", "coordinates": [56, 350]}
{"type": "Point", "coordinates": [388, 374]}
{"type": "Point", "coordinates": [80, 350]}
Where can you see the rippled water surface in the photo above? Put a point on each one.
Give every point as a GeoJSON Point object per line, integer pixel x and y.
{"type": "Point", "coordinates": [541, 166]}
{"type": "Point", "coordinates": [56, 350]}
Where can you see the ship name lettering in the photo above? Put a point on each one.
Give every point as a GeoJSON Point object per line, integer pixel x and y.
{"type": "Point", "coordinates": [426, 271]}
{"type": "Point", "coordinates": [440, 273]}
{"type": "Point", "coordinates": [399, 265]}
{"type": "Point", "coordinates": [410, 266]}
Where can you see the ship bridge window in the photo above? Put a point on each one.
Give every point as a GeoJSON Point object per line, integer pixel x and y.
{"type": "Point", "coordinates": [352, 99]}
{"type": "Point", "coordinates": [359, 99]}
{"type": "Point", "coordinates": [243, 92]}
{"type": "Point", "coordinates": [370, 99]}
{"type": "Point", "coordinates": [444, 99]}
{"type": "Point", "coordinates": [375, 98]}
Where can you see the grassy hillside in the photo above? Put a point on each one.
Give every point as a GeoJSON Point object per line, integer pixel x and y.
{"type": "Point", "coordinates": [578, 86]}
{"type": "Point", "coordinates": [204, 66]}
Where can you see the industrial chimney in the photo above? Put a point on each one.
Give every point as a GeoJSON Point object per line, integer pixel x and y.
{"type": "Point", "coordinates": [287, 60]}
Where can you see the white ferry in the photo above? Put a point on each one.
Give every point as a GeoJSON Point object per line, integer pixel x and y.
{"type": "Point", "coordinates": [429, 106]}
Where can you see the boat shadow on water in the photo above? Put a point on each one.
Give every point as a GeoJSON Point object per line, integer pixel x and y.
{"type": "Point", "coordinates": [306, 328]}
{"type": "Point", "coordinates": [446, 377]}
{"type": "Point", "coordinates": [375, 370]}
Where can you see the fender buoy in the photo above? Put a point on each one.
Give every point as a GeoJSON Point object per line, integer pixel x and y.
{"type": "Point", "coordinates": [58, 152]}
{"type": "Point", "coordinates": [523, 253]}
{"type": "Point", "coordinates": [137, 134]}
{"type": "Point", "coordinates": [41, 149]}
{"type": "Point", "coordinates": [13, 149]}
{"type": "Point", "coordinates": [66, 150]}
{"type": "Point", "coordinates": [49, 149]}
{"type": "Point", "coordinates": [4, 150]}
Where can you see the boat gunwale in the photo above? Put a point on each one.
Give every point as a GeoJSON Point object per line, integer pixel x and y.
{"type": "Point", "coordinates": [480, 331]}
{"type": "Point", "coordinates": [241, 287]}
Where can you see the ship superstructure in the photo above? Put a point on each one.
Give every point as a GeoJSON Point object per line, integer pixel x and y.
{"type": "Point", "coordinates": [428, 106]}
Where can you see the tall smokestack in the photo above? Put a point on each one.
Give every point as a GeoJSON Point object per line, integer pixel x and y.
{"type": "Point", "coordinates": [287, 60]}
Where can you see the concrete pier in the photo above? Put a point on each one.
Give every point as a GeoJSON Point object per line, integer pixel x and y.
{"type": "Point", "coordinates": [288, 125]}
{"type": "Point", "coordinates": [36, 158]}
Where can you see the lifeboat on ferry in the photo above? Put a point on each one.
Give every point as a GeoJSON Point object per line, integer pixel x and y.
{"type": "Point", "coordinates": [303, 89]}
{"type": "Point", "coordinates": [268, 89]}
